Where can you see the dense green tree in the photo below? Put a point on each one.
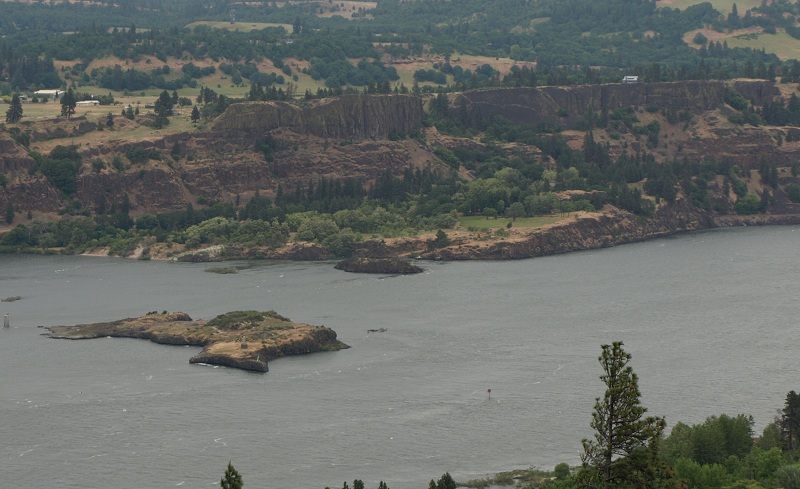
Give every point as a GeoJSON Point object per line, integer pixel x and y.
{"type": "Point", "coordinates": [771, 437]}
{"type": "Point", "coordinates": [68, 104]}
{"type": "Point", "coordinates": [232, 479]}
{"type": "Point", "coordinates": [515, 210]}
{"type": "Point", "coordinates": [788, 476]}
{"type": "Point", "coordinates": [624, 451]}
{"type": "Point", "coordinates": [445, 482]}
{"type": "Point", "coordinates": [717, 440]}
{"type": "Point", "coordinates": [195, 114]}
{"type": "Point", "coordinates": [790, 421]}
{"type": "Point", "coordinates": [110, 120]}
{"type": "Point", "coordinates": [748, 205]}
{"type": "Point", "coordinates": [14, 112]}
{"type": "Point", "coordinates": [163, 109]}
{"type": "Point", "coordinates": [561, 471]}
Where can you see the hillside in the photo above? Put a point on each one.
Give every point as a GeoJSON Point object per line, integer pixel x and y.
{"type": "Point", "coordinates": [324, 172]}
{"type": "Point", "coordinates": [317, 129]}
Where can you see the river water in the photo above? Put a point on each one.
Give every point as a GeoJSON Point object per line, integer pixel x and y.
{"type": "Point", "coordinates": [711, 320]}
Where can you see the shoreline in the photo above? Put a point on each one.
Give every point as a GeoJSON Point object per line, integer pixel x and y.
{"type": "Point", "coordinates": [586, 231]}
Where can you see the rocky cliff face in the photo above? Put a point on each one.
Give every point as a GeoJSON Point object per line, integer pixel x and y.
{"type": "Point", "coordinates": [611, 228]}
{"type": "Point", "coordinates": [566, 105]}
{"type": "Point", "coordinates": [598, 231]}
{"type": "Point", "coordinates": [352, 117]}
{"type": "Point", "coordinates": [348, 137]}
{"type": "Point", "coordinates": [12, 156]}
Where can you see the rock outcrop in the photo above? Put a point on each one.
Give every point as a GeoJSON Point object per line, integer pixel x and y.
{"type": "Point", "coordinates": [243, 339]}
{"type": "Point", "coordinates": [565, 106]}
{"type": "Point", "coordinates": [394, 266]}
{"type": "Point", "coordinates": [352, 117]}
{"type": "Point", "coordinates": [13, 156]}
{"type": "Point", "coordinates": [590, 232]}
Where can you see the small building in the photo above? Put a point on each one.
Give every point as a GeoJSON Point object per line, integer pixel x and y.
{"type": "Point", "coordinates": [87, 103]}
{"type": "Point", "coordinates": [53, 94]}
{"type": "Point", "coordinates": [630, 79]}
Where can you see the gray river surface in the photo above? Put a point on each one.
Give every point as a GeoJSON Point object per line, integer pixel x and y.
{"type": "Point", "coordinates": [711, 320]}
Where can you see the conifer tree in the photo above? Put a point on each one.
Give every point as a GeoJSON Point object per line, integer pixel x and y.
{"type": "Point", "coordinates": [789, 421]}
{"type": "Point", "coordinates": [232, 479]}
{"type": "Point", "coordinates": [624, 451]}
{"type": "Point", "coordinates": [163, 109]}
{"type": "Point", "coordinates": [14, 112]}
{"type": "Point", "coordinates": [195, 114]}
{"type": "Point", "coordinates": [68, 104]}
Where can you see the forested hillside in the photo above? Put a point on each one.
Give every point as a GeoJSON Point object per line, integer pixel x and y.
{"type": "Point", "coordinates": [194, 123]}
{"type": "Point", "coordinates": [576, 41]}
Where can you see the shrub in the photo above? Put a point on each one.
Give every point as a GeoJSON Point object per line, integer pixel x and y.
{"type": "Point", "coordinates": [137, 154]}
{"type": "Point", "coordinates": [748, 205]}
{"type": "Point", "coordinates": [793, 192]}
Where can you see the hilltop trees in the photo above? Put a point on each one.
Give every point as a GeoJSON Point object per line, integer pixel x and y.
{"type": "Point", "coordinates": [624, 451]}
{"type": "Point", "coordinates": [14, 112]}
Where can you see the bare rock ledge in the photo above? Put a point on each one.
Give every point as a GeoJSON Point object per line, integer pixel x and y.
{"type": "Point", "coordinates": [241, 339]}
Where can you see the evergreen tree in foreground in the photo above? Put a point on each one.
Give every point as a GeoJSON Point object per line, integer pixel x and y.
{"type": "Point", "coordinates": [232, 479]}
{"type": "Point", "coordinates": [624, 451]}
{"type": "Point", "coordinates": [789, 421]}
{"type": "Point", "coordinates": [14, 112]}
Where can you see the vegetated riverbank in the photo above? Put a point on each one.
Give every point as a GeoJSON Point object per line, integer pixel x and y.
{"type": "Point", "coordinates": [241, 339]}
{"type": "Point", "coordinates": [575, 232]}
{"type": "Point", "coordinates": [579, 231]}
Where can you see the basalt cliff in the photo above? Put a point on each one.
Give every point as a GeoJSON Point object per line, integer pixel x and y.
{"type": "Point", "coordinates": [261, 146]}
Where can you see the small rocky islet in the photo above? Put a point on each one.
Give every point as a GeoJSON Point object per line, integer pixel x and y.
{"type": "Point", "coordinates": [247, 340]}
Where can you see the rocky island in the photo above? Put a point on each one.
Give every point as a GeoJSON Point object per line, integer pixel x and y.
{"type": "Point", "coordinates": [238, 339]}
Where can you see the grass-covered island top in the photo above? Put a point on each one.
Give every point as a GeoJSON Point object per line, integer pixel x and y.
{"type": "Point", "coordinates": [239, 339]}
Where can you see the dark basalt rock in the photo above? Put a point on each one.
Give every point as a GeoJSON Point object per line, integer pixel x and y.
{"type": "Point", "coordinates": [249, 364]}
{"type": "Point", "coordinates": [377, 265]}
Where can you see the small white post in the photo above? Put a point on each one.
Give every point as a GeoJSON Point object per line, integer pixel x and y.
{"type": "Point", "coordinates": [6, 320]}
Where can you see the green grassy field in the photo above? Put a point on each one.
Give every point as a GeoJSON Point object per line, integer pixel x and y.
{"type": "Point", "coordinates": [241, 26]}
{"type": "Point", "coordinates": [481, 222]}
{"type": "Point", "coordinates": [781, 44]}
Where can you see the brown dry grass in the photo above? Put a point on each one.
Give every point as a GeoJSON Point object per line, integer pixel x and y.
{"type": "Point", "coordinates": [347, 9]}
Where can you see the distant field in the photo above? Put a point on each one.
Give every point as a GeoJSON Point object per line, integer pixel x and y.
{"type": "Point", "coordinates": [781, 44]}
{"type": "Point", "coordinates": [347, 9]}
{"type": "Point", "coordinates": [723, 6]}
{"type": "Point", "coordinates": [241, 26]}
{"type": "Point", "coordinates": [523, 222]}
